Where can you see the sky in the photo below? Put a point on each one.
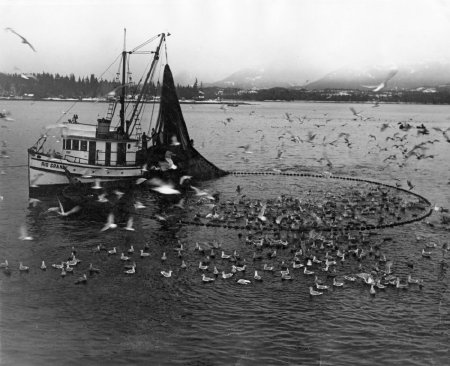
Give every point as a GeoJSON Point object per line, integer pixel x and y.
{"type": "Point", "coordinates": [211, 39]}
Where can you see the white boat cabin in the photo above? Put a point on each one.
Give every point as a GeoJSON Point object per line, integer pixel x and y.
{"type": "Point", "coordinates": [98, 145]}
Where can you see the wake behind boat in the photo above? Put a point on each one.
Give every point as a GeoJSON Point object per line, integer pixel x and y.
{"type": "Point", "coordinates": [101, 153]}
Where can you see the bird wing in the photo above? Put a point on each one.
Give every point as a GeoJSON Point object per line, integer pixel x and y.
{"type": "Point", "coordinates": [110, 219]}
{"type": "Point", "coordinates": [166, 190]}
{"type": "Point", "coordinates": [23, 231]}
{"type": "Point", "coordinates": [130, 222]}
{"type": "Point", "coordinates": [24, 40]}
{"type": "Point", "coordinates": [73, 210]}
{"type": "Point", "coordinates": [379, 87]}
{"type": "Point", "coordinates": [184, 177]}
{"type": "Point", "coordinates": [354, 111]}
{"type": "Point", "coordinates": [140, 180]}
{"type": "Point", "coordinates": [61, 208]}
{"type": "Point", "coordinates": [391, 74]}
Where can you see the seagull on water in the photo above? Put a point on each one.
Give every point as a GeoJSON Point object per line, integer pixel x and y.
{"type": "Point", "coordinates": [144, 254]}
{"type": "Point", "coordinates": [313, 292]}
{"type": "Point", "coordinates": [167, 274]}
{"type": "Point", "coordinates": [257, 277]}
{"type": "Point", "coordinates": [261, 213]}
{"type": "Point", "coordinates": [92, 269]}
{"type": "Point", "coordinates": [207, 279]}
{"type": "Point", "coordinates": [112, 251]}
{"type": "Point", "coordinates": [246, 149]}
{"type": "Point", "coordinates": [199, 193]}
{"type": "Point", "coordinates": [227, 275]}
{"type": "Point", "coordinates": [82, 279]}
{"type": "Point", "coordinates": [243, 281]}
{"type": "Point", "coordinates": [337, 283]}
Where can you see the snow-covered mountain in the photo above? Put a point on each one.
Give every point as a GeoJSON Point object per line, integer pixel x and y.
{"type": "Point", "coordinates": [421, 75]}
{"type": "Point", "coordinates": [269, 77]}
{"type": "Point", "coordinates": [407, 77]}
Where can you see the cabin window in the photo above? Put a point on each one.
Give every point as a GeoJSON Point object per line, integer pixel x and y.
{"type": "Point", "coordinates": [76, 145]}
{"type": "Point", "coordinates": [129, 146]}
{"type": "Point", "coordinates": [68, 144]}
{"type": "Point", "coordinates": [83, 145]}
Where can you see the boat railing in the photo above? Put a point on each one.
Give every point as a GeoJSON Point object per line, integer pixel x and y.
{"type": "Point", "coordinates": [75, 159]}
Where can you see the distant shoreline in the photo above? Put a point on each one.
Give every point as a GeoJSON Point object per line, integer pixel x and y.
{"type": "Point", "coordinates": [234, 103]}
{"type": "Point", "coordinates": [216, 102]}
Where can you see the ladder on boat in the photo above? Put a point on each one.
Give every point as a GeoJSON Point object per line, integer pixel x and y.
{"type": "Point", "coordinates": [111, 109]}
{"type": "Point", "coordinates": [138, 131]}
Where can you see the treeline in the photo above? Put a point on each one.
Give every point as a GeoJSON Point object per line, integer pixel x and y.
{"type": "Point", "coordinates": [39, 86]}
{"type": "Point", "coordinates": [57, 86]}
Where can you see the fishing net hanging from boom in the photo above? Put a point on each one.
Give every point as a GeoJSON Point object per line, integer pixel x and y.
{"type": "Point", "coordinates": [171, 134]}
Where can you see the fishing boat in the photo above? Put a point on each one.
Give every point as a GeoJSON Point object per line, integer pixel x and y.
{"type": "Point", "coordinates": [115, 149]}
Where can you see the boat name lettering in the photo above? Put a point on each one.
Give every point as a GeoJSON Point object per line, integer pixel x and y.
{"type": "Point", "coordinates": [52, 165]}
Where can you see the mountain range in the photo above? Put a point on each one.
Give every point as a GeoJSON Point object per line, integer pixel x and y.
{"type": "Point", "coordinates": [413, 76]}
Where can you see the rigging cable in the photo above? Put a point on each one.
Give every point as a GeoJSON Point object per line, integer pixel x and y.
{"type": "Point", "coordinates": [156, 93]}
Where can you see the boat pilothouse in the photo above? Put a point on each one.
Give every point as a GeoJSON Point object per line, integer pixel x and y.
{"type": "Point", "coordinates": [88, 153]}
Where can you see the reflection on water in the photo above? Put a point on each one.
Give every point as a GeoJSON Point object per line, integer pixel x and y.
{"type": "Point", "coordinates": [147, 318]}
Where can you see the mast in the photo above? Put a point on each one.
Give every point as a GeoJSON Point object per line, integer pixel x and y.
{"type": "Point", "coordinates": [123, 94]}
{"type": "Point", "coordinates": [144, 86]}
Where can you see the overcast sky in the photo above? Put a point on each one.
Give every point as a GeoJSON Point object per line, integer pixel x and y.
{"type": "Point", "coordinates": [214, 38]}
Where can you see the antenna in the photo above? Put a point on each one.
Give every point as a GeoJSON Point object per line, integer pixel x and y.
{"type": "Point", "coordinates": [124, 39]}
{"type": "Point", "coordinates": [123, 94]}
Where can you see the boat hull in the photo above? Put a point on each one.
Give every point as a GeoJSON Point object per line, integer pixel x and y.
{"type": "Point", "coordinates": [45, 172]}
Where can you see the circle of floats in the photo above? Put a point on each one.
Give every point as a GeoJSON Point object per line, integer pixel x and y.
{"type": "Point", "coordinates": [322, 228]}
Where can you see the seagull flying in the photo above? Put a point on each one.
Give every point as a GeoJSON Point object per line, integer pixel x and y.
{"type": "Point", "coordinates": [24, 40]}
{"type": "Point", "coordinates": [70, 212]}
{"type": "Point", "coordinates": [24, 234]}
{"type": "Point", "coordinates": [109, 223]}
{"type": "Point", "coordinates": [129, 226]}
{"type": "Point", "coordinates": [383, 84]}
{"type": "Point", "coordinates": [163, 187]}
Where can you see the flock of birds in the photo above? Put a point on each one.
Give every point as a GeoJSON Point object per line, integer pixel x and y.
{"type": "Point", "coordinates": [325, 260]}
{"type": "Point", "coordinates": [354, 206]}
{"type": "Point", "coordinates": [329, 259]}
{"type": "Point", "coordinates": [318, 255]}
{"type": "Point", "coordinates": [395, 143]}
